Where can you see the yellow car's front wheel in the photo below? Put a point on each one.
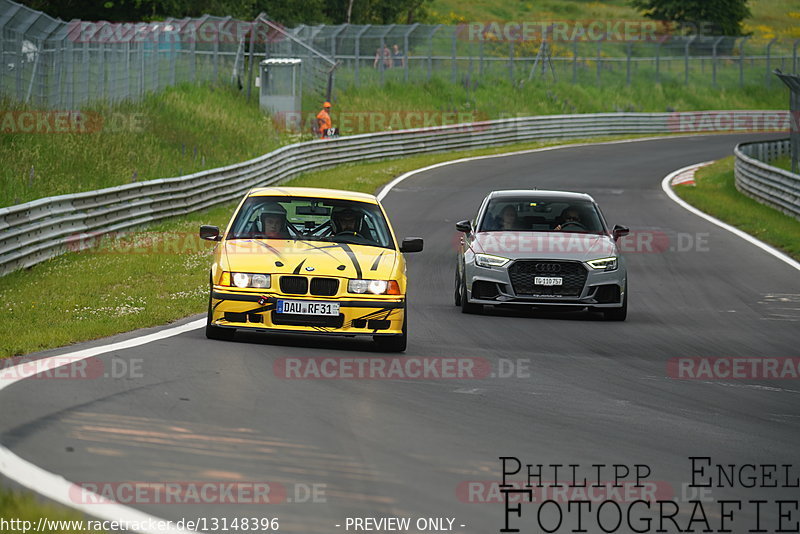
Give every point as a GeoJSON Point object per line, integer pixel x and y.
{"type": "Point", "coordinates": [217, 332]}
{"type": "Point", "coordinates": [394, 343]}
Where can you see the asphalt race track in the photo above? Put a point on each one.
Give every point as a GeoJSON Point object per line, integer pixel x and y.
{"type": "Point", "coordinates": [582, 391]}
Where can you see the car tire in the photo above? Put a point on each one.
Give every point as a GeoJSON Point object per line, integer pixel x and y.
{"type": "Point", "coordinates": [219, 333]}
{"type": "Point", "coordinates": [394, 343]}
{"type": "Point", "coordinates": [457, 291]}
{"type": "Point", "coordinates": [466, 306]}
{"type": "Point", "coordinates": [618, 314]}
{"type": "Point", "coordinates": [216, 332]}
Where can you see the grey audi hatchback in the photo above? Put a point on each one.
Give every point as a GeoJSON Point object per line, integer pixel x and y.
{"type": "Point", "coordinates": [542, 249]}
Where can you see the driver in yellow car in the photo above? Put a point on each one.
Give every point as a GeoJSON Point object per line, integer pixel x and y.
{"type": "Point", "coordinates": [273, 222]}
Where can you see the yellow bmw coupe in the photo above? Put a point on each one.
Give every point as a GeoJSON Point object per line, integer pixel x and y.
{"type": "Point", "coordinates": [308, 260]}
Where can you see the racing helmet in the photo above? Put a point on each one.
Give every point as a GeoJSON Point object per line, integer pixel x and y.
{"type": "Point", "coordinates": [345, 218]}
{"type": "Point", "coordinates": [273, 209]}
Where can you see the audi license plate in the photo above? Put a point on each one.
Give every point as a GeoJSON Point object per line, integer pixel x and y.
{"type": "Point", "coordinates": [307, 307]}
{"type": "Point", "coordinates": [547, 280]}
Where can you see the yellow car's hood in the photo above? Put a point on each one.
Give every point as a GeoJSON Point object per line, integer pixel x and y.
{"type": "Point", "coordinates": [278, 256]}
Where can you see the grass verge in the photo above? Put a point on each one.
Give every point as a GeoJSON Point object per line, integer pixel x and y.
{"type": "Point", "coordinates": [716, 194]}
{"type": "Point", "coordinates": [25, 506]}
{"type": "Point", "coordinates": [190, 128]}
{"type": "Point", "coordinates": [784, 163]}
{"type": "Point", "coordinates": [372, 107]}
{"type": "Point", "coordinates": [153, 276]}
{"type": "Point", "coordinates": [178, 131]}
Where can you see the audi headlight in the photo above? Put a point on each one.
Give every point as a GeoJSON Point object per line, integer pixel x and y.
{"type": "Point", "coordinates": [243, 280]}
{"type": "Point", "coordinates": [488, 260]}
{"type": "Point", "coordinates": [376, 287]}
{"type": "Point", "coordinates": [604, 264]}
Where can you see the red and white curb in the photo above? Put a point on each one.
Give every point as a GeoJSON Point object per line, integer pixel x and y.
{"type": "Point", "coordinates": [686, 176]}
{"type": "Point", "coordinates": [666, 186]}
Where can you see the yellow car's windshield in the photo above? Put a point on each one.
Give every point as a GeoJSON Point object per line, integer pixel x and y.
{"type": "Point", "coordinates": [311, 219]}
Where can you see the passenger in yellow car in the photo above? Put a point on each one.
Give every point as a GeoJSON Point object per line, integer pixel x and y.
{"type": "Point", "coordinates": [347, 221]}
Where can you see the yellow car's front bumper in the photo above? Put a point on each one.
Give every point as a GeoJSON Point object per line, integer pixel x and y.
{"type": "Point", "coordinates": [370, 315]}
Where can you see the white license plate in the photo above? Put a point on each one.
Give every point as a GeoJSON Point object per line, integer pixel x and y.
{"type": "Point", "coordinates": [306, 307]}
{"type": "Point", "coordinates": [547, 280]}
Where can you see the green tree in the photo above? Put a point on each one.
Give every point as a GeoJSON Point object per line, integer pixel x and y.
{"type": "Point", "coordinates": [286, 12]}
{"type": "Point", "coordinates": [376, 11]}
{"type": "Point", "coordinates": [719, 17]}
{"type": "Point", "coordinates": [293, 12]}
{"type": "Point", "coordinates": [140, 10]}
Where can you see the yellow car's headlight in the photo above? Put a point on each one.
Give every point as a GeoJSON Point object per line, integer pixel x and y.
{"type": "Point", "coordinates": [376, 287]}
{"type": "Point", "coordinates": [605, 264]}
{"type": "Point", "coordinates": [255, 280]}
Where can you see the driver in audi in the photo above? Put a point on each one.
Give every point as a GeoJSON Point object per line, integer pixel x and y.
{"type": "Point", "coordinates": [570, 215]}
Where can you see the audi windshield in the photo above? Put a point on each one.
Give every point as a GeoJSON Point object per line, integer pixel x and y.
{"type": "Point", "coordinates": [542, 215]}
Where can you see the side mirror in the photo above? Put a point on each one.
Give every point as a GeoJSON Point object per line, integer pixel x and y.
{"type": "Point", "coordinates": [411, 244]}
{"type": "Point", "coordinates": [464, 226]}
{"type": "Point", "coordinates": [620, 231]}
{"type": "Point", "coordinates": [210, 233]}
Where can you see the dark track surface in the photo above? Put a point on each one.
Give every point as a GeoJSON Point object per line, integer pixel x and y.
{"type": "Point", "coordinates": [597, 392]}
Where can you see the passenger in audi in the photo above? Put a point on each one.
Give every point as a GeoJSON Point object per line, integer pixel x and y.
{"type": "Point", "coordinates": [508, 219]}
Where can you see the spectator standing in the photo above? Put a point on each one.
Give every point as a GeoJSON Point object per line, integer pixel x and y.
{"type": "Point", "coordinates": [398, 58]}
{"type": "Point", "coordinates": [324, 122]}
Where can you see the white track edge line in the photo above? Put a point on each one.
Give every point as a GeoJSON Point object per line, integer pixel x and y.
{"type": "Point", "coordinates": [388, 187]}
{"type": "Point", "coordinates": [56, 487]}
{"type": "Point", "coordinates": [665, 185]}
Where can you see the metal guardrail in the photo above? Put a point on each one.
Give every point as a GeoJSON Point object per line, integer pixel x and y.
{"type": "Point", "coordinates": [35, 231]}
{"type": "Point", "coordinates": [769, 185]}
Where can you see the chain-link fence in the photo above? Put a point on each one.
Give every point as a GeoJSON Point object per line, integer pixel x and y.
{"type": "Point", "coordinates": [564, 51]}
{"type": "Point", "coordinates": [47, 62]}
